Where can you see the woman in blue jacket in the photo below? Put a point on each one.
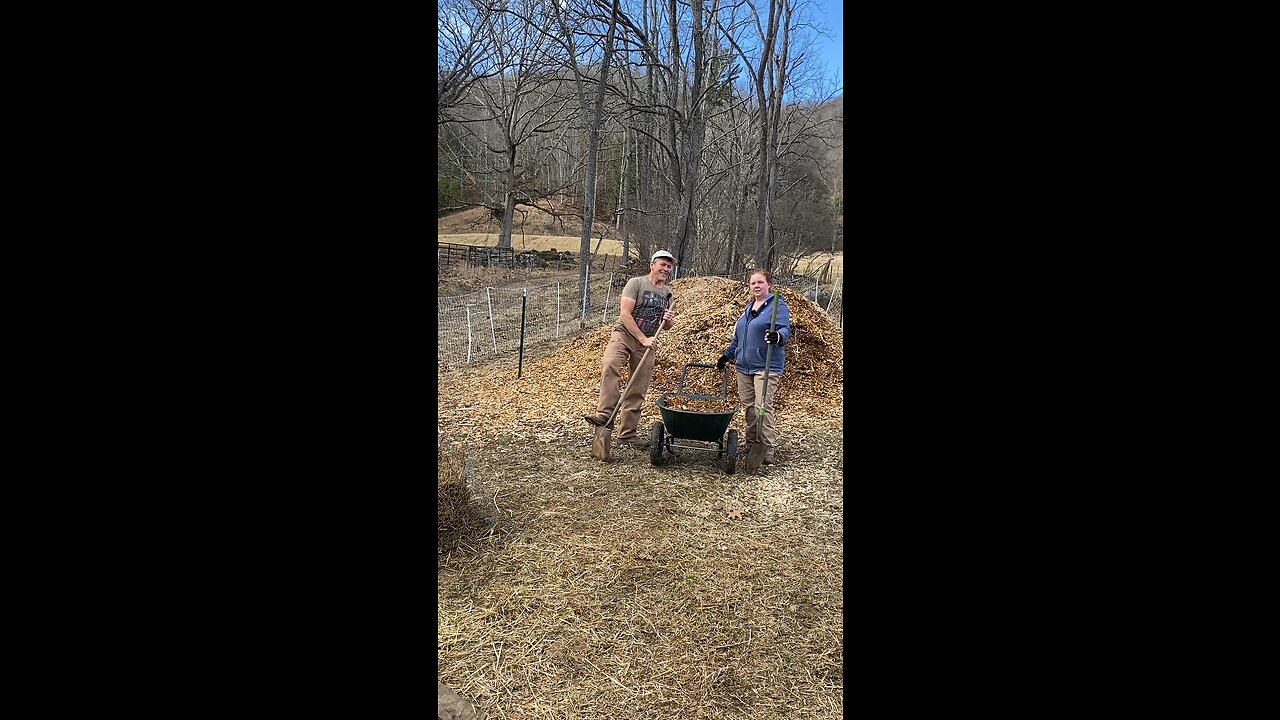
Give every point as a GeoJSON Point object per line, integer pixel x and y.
{"type": "Point", "coordinates": [751, 340]}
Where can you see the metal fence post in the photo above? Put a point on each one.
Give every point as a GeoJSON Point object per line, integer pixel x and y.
{"type": "Point", "coordinates": [524, 295]}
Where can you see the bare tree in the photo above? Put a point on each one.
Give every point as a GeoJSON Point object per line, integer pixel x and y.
{"type": "Point", "coordinates": [633, 106]}
{"type": "Point", "coordinates": [594, 115]}
{"type": "Point", "coordinates": [694, 135]}
{"type": "Point", "coordinates": [507, 112]}
{"type": "Point", "coordinates": [463, 57]}
{"type": "Point", "coordinates": [768, 75]}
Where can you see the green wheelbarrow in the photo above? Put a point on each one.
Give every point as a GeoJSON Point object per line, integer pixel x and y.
{"type": "Point", "coordinates": [694, 430]}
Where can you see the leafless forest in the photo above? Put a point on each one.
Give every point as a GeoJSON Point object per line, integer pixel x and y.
{"type": "Point", "coordinates": [706, 127]}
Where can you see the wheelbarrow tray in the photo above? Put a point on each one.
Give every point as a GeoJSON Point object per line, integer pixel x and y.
{"type": "Point", "coordinates": [696, 426]}
{"type": "Point", "coordinates": [692, 424]}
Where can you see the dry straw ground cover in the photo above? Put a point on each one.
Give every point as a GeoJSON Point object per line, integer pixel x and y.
{"type": "Point", "coordinates": [580, 589]}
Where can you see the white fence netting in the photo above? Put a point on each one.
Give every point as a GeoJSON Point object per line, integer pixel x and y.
{"type": "Point", "coordinates": [486, 323]}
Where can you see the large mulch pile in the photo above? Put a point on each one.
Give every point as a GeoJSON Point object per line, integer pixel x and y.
{"type": "Point", "coordinates": [622, 590]}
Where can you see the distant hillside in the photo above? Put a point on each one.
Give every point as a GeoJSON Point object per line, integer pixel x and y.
{"type": "Point", "coordinates": [528, 219]}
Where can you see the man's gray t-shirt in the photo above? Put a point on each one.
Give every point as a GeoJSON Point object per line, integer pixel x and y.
{"type": "Point", "coordinates": [651, 302]}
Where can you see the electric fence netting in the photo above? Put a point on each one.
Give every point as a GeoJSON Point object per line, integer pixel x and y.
{"type": "Point", "coordinates": [488, 323]}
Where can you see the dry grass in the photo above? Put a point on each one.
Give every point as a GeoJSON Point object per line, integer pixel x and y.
{"type": "Point", "coordinates": [629, 591]}
{"type": "Point", "coordinates": [532, 229]}
{"type": "Point", "coordinates": [521, 243]}
{"type": "Point", "coordinates": [463, 511]}
{"type": "Point", "coordinates": [814, 265]}
{"type": "Point", "coordinates": [625, 591]}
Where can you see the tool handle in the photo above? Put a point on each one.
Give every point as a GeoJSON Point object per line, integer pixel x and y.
{"type": "Point", "coordinates": [768, 356]}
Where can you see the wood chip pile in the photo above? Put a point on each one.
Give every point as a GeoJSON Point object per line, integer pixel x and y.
{"type": "Point", "coordinates": [707, 309]}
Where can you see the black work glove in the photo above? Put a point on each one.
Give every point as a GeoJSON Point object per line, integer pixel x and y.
{"type": "Point", "coordinates": [723, 359]}
{"type": "Point", "coordinates": [771, 336]}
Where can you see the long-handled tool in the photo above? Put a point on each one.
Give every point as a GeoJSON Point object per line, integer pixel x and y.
{"type": "Point", "coordinates": [604, 433]}
{"type": "Point", "coordinates": [758, 450]}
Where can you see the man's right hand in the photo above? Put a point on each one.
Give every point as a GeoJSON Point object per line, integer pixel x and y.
{"type": "Point", "coordinates": [723, 359]}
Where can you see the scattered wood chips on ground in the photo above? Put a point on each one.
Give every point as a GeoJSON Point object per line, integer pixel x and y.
{"type": "Point", "coordinates": [623, 590]}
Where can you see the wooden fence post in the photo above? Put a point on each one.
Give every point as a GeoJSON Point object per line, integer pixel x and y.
{"type": "Point", "coordinates": [492, 331]}
{"type": "Point", "coordinates": [468, 334]}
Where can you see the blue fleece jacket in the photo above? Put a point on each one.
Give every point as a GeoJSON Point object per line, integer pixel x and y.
{"type": "Point", "coordinates": [748, 348]}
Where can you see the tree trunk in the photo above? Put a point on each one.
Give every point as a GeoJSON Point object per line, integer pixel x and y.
{"type": "Point", "coordinates": [735, 232]}
{"type": "Point", "coordinates": [593, 150]}
{"type": "Point", "coordinates": [509, 207]}
{"type": "Point", "coordinates": [673, 130]}
{"type": "Point", "coordinates": [620, 207]}
{"type": "Point", "coordinates": [686, 227]}
{"type": "Point", "coordinates": [775, 112]}
{"type": "Point", "coordinates": [645, 197]}
{"type": "Point", "coordinates": [624, 217]}
{"type": "Point", "coordinates": [764, 218]}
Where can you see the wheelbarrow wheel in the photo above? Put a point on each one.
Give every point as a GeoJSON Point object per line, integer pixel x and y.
{"type": "Point", "coordinates": [655, 444]}
{"type": "Point", "coordinates": [731, 449]}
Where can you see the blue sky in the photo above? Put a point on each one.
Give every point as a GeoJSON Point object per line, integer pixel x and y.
{"type": "Point", "coordinates": [830, 14]}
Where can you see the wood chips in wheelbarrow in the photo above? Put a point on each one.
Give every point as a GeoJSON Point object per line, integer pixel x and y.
{"type": "Point", "coordinates": [688, 404]}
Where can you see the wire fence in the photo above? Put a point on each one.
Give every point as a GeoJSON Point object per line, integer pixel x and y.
{"type": "Point", "coordinates": [826, 296]}
{"type": "Point", "coordinates": [825, 293]}
{"type": "Point", "coordinates": [491, 322]}
{"type": "Point", "coordinates": [494, 321]}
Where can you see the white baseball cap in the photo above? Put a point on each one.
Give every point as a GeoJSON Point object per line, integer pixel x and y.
{"type": "Point", "coordinates": [662, 254]}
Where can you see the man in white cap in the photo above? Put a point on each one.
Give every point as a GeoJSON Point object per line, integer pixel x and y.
{"type": "Point", "coordinates": [645, 302]}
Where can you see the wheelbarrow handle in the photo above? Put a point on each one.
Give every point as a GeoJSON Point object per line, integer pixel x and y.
{"type": "Point", "coordinates": [710, 366]}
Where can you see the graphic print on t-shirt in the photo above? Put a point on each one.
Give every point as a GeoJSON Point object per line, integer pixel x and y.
{"type": "Point", "coordinates": [648, 312]}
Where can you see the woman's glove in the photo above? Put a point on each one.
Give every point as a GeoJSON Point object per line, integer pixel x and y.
{"type": "Point", "coordinates": [771, 336]}
{"type": "Point", "coordinates": [723, 359]}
